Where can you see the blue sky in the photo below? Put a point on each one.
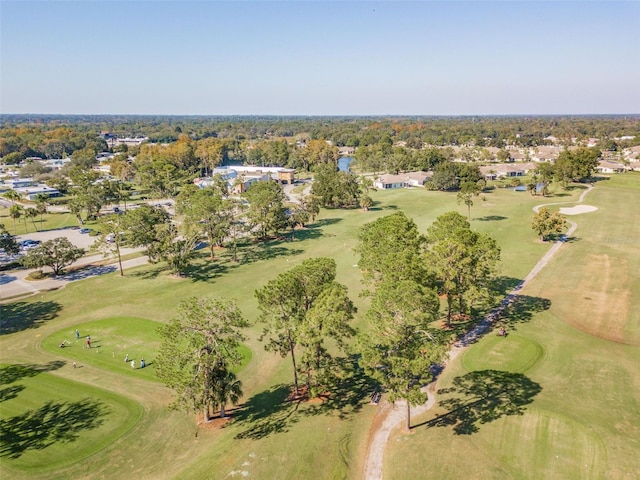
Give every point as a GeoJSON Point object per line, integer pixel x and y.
{"type": "Point", "coordinates": [320, 58]}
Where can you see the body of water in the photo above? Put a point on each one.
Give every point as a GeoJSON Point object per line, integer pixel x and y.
{"type": "Point", "coordinates": [343, 163]}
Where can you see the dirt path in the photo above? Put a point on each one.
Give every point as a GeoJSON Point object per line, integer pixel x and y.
{"type": "Point", "coordinates": [390, 416]}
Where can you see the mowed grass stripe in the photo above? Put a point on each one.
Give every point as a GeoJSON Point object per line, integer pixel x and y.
{"type": "Point", "coordinates": [54, 422]}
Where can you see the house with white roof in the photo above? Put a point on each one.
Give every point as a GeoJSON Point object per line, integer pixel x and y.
{"type": "Point", "coordinates": [389, 181]}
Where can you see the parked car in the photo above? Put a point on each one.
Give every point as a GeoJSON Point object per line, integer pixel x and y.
{"type": "Point", "coordinates": [85, 230]}
{"type": "Point", "coordinates": [29, 244]}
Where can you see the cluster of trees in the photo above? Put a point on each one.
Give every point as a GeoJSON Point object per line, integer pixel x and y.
{"type": "Point", "coordinates": [306, 316]}
{"type": "Point", "coordinates": [335, 188]}
{"type": "Point", "coordinates": [17, 211]}
{"type": "Point", "coordinates": [571, 166]}
{"type": "Point", "coordinates": [50, 136]}
{"type": "Point", "coordinates": [405, 272]}
{"type": "Point", "coordinates": [302, 309]}
{"type": "Point", "coordinates": [23, 139]}
{"type": "Point", "coordinates": [199, 349]}
{"type": "Point", "coordinates": [209, 214]}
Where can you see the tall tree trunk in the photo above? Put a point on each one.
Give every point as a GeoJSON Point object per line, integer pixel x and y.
{"type": "Point", "coordinates": [205, 412]}
{"type": "Point", "coordinates": [222, 412]}
{"type": "Point", "coordinates": [119, 260]}
{"type": "Point", "coordinates": [295, 368]}
{"type": "Point", "coordinates": [449, 308]}
{"type": "Point", "coordinates": [408, 416]}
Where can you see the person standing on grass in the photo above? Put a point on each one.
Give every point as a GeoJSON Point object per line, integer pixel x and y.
{"type": "Point", "coordinates": [77, 334]}
{"type": "Point", "coordinates": [88, 342]}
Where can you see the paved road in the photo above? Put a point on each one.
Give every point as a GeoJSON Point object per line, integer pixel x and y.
{"type": "Point", "coordinates": [13, 283]}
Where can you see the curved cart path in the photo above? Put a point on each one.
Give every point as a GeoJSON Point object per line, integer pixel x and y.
{"type": "Point", "coordinates": [390, 416]}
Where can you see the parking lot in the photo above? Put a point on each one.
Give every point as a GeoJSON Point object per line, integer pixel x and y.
{"type": "Point", "coordinates": [82, 240]}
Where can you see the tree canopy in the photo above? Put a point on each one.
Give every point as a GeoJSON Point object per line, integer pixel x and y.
{"type": "Point", "coordinates": [198, 348]}
{"type": "Point", "coordinates": [57, 254]}
{"type": "Point", "coordinates": [546, 224]}
{"type": "Point", "coordinates": [303, 307]}
{"type": "Point", "coordinates": [401, 345]}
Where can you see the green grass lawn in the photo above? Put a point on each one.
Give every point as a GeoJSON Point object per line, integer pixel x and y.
{"type": "Point", "coordinates": [513, 353]}
{"type": "Point", "coordinates": [50, 221]}
{"type": "Point", "coordinates": [568, 405]}
{"type": "Point", "coordinates": [566, 380]}
{"type": "Point", "coordinates": [113, 340]}
{"type": "Point", "coordinates": [50, 422]}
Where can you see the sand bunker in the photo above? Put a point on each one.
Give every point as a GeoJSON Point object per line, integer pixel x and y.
{"type": "Point", "coordinates": [578, 209]}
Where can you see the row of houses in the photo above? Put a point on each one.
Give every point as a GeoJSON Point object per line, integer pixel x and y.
{"type": "Point", "coordinates": [489, 172]}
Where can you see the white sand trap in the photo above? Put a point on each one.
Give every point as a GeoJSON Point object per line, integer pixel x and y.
{"type": "Point", "coordinates": [578, 209]}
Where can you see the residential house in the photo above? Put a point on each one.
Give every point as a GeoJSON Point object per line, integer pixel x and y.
{"type": "Point", "coordinates": [389, 181]}
{"type": "Point", "coordinates": [506, 170]}
{"type": "Point", "coordinates": [545, 153]}
{"type": "Point", "coordinates": [346, 151]}
{"type": "Point", "coordinates": [408, 179]}
{"type": "Point", "coordinates": [417, 179]}
{"type": "Point", "coordinates": [607, 166]}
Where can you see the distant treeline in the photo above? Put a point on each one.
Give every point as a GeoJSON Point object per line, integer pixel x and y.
{"type": "Point", "coordinates": [53, 135]}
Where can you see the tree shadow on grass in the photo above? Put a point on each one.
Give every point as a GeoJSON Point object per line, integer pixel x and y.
{"type": "Point", "coordinates": [307, 233]}
{"type": "Point", "coordinates": [522, 308]}
{"type": "Point", "coordinates": [482, 397]}
{"type": "Point", "coordinates": [324, 222]}
{"type": "Point", "coordinates": [52, 423]}
{"type": "Point", "coordinates": [513, 309]}
{"type": "Point", "coordinates": [265, 251]}
{"type": "Point", "coordinates": [208, 269]}
{"type": "Point", "coordinates": [491, 218]}
{"type": "Point", "coordinates": [18, 316]}
{"type": "Point", "coordinates": [502, 285]}
{"type": "Point", "coordinates": [348, 393]}
{"type": "Point", "coordinates": [266, 413]}
{"type": "Point", "coordinates": [150, 272]}
{"type": "Point", "coordinates": [13, 373]}
{"type": "Point", "coordinates": [10, 392]}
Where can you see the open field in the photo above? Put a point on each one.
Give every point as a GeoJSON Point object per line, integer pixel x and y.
{"type": "Point", "coordinates": [565, 376]}
{"type": "Point", "coordinates": [573, 411]}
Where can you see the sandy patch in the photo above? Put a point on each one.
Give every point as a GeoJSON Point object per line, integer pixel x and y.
{"type": "Point", "coordinates": [578, 209]}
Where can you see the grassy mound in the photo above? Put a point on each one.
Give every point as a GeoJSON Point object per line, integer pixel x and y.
{"type": "Point", "coordinates": [45, 417]}
{"type": "Point", "coordinates": [512, 353]}
{"type": "Point", "coordinates": [113, 339]}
